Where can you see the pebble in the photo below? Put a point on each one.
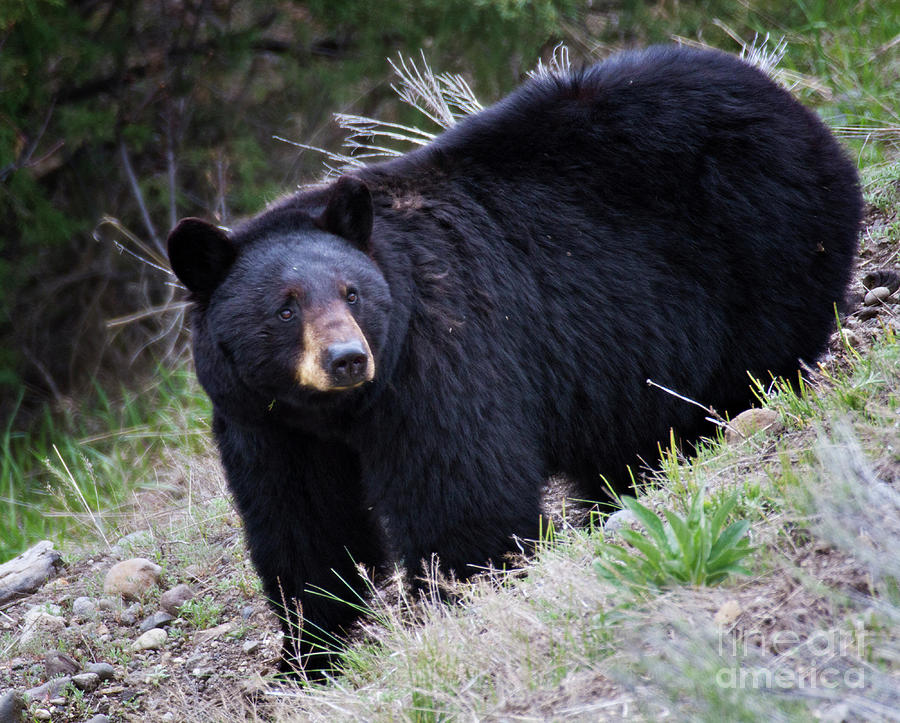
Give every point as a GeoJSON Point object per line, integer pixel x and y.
{"type": "Point", "coordinates": [86, 681]}
{"type": "Point", "coordinates": [131, 578]}
{"type": "Point", "coordinates": [618, 521]}
{"type": "Point", "coordinates": [84, 608]}
{"type": "Point", "coordinates": [103, 670]}
{"type": "Point", "coordinates": [129, 616]}
{"type": "Point", "coordinates": [38, 621]}
{"type": "Point", "coordinates": [99, 718]}
{"type": "Point", "coordinates": [50, 689]}
{"type": "Point", "coordinates": [41, 714]}
{"type": "Point", "coordinates": [247, 612]}
{"type": "Point", "coordinates": [151, 640]}
{"type": "Point", "coordinates": [58, 663]}
{"type": "Point", "coordinates": [157, 620]}
{"type": "Point", "coordinates": [107, 603]}
{"type": "Point", "coordinates": [204, 636]}
{"type": "Point", "coordinates": [12, 703]}
{"type": "Point", "coordinates": [728, 613]}
{"type": "Point", "coordinates": [172, 600]}
{"type": "Point", "coordinates": [877, 295]}
{"type": "Point", "coordinates": [250, 647]}
{"type": "Point", "coordinates": [751, 421]}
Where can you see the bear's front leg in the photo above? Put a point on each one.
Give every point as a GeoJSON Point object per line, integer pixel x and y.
{"type": "Point", "coordinates": [307, 529]}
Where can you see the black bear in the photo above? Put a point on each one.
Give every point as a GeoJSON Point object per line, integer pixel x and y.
{"type": "Point", "coordinates": [399, 359]}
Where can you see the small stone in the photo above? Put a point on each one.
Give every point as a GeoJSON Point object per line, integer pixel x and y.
{"type": "Point", "coordinates": [247, 612]}
{"type": "Point", "coordinates": [41, 714]}
{"type": "Point", "coordinates": [728, 613]}
{"type": "Point", "coordinates": [172, 600]}
{"type": "Point", "coordinates": [203, 636]}
{"type": "Point", "coordinates": [57, 663]}
{"type": "Point", "coordinates": [751, 421]}
{"type": "Point", "coordinates": [83, 608]}
{"type": "Point", "coordinates": [129, 616]}
{"type": "Point", "coordinates": [50, 689]}
{"type": "Point", "coordinates": [99, 718]}
{"type": "Point", "coordinates": [869, 312]}
{"type": "Point", "coordinates": [107, 604]}
{"type": "Point", "coordinates": [618, 521]}
{"type": "Point", "coordinates": [202, 673]}
{"type": "Point", "coordinates": [159, 619]}
{"type": "Point", "coordinates": [12, 703]}
{"type": "Point", "coordinates": [38, 621]}
{"type": "Point", "coordinates": [168, 716]}
{"type": "Point", "coordinates": [877, 295]}
{"type": "Point", "coordinates": [86, 681]}
{"type": "Point", "coordinates": [835, 714]}
{"type": "Point", "coordinates": [131, 578]}
{"type": "Point", "coordinates": [151, 640]}
{"type": "Point", "coordinates": [103, 670]}
{"type": "Point", "coordinates": [250, 647]}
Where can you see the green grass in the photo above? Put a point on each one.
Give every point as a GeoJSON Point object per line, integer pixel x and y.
{"type": "Point", "coordinates": [69, 474]}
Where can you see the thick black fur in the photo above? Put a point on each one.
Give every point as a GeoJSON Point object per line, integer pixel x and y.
{"type": "Point", "coordinates": [669, 214]}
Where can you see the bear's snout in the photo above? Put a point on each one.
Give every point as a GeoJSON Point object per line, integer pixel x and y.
{"type": "Point", "coordinates": [336, 354]}
{"type": "Point", "coordinates": [347, 363]}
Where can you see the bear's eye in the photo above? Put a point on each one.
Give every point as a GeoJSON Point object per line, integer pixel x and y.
{"type": "Point", "coordinates": [286, 314]}
{"type": "Point", "coordinates": [352, 297]}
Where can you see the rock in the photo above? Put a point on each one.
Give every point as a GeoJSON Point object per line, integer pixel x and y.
{"type": "Point", "coordinates": [25, 573]}
{"type": "Point", "coordinates": [107, 604]}
{"type": "Point", "coordinates": [728, 613]}
{"type": "Point", "coordinates": [151, 640]}
{"type": "Point", "coordinates": [247, 612]}
{"type": "Point", "coordinates": [131, 578]}
{"type": "Point", "coordinates": [203, 636]}
{"type": "Point", "coordinates": [172, 600]}
{"type": "Point", "coordinates": [50, 689]}
{"type": "Point", "coordinates": [129, 616]}
{"type": "Point", "coordinates": [57, 663]}
{"type": "Point", "coordinates": [103, 670]}
{"type": "Point", "coordinates": [41, 714]}
{"type": "Point", "coordinates": [37, 621]}
{"type": "Point", "coordinates": [882, 277]}
{"type": "Point", "coordinates": [86, 681]}
{"type": "Point", "coordinates": [250, 647]}
{"type": "Point", "coordinates": [99, 718]}
{"type": "Point", "coordinates": [618, 521]}
{"type": "Point", "coordinates": [868, 312]}
{"type": "Point", "coordinates": [835, 714]}
{"type": "Point", "coordinates": [876, 296]}
{"type": "Point", "coordinates": [751, 421]}
{"type": "Point", "coordinates": [157, 620]}
{"type": "Point", "coordinates": [12, 703]}
{"type": "Point", "coordinates": [83, 608]}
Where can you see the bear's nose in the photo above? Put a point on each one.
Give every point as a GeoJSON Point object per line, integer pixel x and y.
{"type": "Point", "coordinates": [346, 363]}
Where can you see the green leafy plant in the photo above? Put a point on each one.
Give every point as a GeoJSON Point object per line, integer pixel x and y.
{"type": "Point", "coordinates": [202, 613]}
{"type": "Point", "coordinates": [693, 550]}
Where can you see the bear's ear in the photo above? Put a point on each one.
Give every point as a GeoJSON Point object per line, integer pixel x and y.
{"type": "Point", "coordinates": [200, 255]}
{"type": "Point", "coordinates": [349, 212]}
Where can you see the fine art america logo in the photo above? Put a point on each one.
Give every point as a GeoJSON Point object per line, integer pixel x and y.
{"type": "Point", "coordinates": [827, 660]}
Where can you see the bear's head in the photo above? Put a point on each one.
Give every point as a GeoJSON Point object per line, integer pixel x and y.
{"type": "Point", "coordinates": [289, 309]}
